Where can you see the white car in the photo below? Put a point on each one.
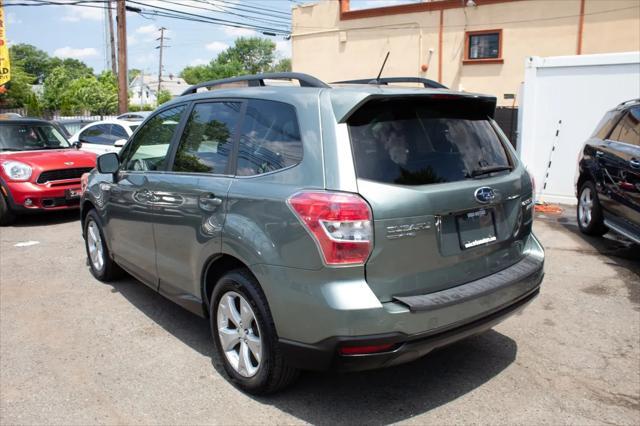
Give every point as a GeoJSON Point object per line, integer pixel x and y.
{"type": "Point", "coordinates": [105, 136]}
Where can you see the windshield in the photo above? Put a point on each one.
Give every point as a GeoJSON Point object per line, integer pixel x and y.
{"type": "Point", "coordinates": [423, 142]}
{"type": "Point", "coordinates": [28, 137]}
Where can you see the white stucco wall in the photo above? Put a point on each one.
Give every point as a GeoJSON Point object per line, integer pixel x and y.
{"type": "Point", "coordinates": [567, 96]}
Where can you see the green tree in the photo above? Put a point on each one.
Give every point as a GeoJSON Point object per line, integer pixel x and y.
{"type": "Point", "coordinates": [56, 83]}
{"type": "Point", "coordinates": [250, 55]}
{"type": "Point", "coordinates": [283, 65]}
{"type": "Point", "coordinates": [35, 62]}
{"type": "Point", "coordinates": [213, 71]}
{"type": "Point", "coordinates": [164, 96]}
{"type": "Point", "coordinates": [34, 109]}
{"type": "Point", "coordinates": [39, 64]}
{"type": "Point", "coordinates": [254, 54]}
{"type": "Point", "coordinates": [71, 94]}
{"type": "Point", "coordinates": [75, 67]}
{"type": "Point", "coordinates": [133, 73]}
{"type": "Point", "coordinates": [18, 90]}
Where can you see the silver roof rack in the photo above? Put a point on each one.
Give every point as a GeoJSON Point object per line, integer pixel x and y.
{"type": "Point", "coordinates": [257, 80]}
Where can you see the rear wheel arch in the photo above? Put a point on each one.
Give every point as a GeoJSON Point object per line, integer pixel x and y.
{"type": "Point", "coordinates": [215, 268]}
{"type": "Point", "coordinates": [584, 177]}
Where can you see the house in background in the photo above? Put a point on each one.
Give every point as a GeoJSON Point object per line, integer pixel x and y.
{"type": "Point", "coordinates": [470, 45]}
{"type": "Point", "coordinates": [143, 89]}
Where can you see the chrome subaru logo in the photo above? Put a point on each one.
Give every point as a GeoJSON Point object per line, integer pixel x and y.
{"type": "Point", "coordinates": [485, 195]}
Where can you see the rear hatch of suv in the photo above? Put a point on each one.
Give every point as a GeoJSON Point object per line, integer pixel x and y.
{"type": "Point", "coordinates": [450, 201]}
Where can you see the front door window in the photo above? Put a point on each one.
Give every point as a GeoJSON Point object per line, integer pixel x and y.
{"type": "Point", "coordinates": [148, 150]}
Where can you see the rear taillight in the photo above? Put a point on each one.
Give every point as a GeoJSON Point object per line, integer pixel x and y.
{"type": "Point", "coordinates": [339, 222]}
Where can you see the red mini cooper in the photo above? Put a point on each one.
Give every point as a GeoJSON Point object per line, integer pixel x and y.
{"type": "Point", "coordinates": [39, 169]}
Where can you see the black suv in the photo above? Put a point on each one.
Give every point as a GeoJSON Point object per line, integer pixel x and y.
{"type": "Point", "coordinates": [608, 187]}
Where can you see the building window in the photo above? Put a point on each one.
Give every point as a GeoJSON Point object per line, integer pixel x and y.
{"type": "Point", "coordinates": [483, 47]}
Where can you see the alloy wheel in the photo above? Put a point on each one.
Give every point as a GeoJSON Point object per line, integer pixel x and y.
{"type": "Point", "coordinates": [239, 334]}
{"type": "Point", "coordinates": [585, 209]}
{"type": "Point", "coordinates": [94, 242]}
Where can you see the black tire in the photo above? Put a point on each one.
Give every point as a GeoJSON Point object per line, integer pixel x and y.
{"type": "Point", "coordinates": [592, 224]}
{"type": "Point", "coordinates": [273, 373]}
{"type": "Point", "coordinates": [7, 216]}
{"type": "Point", "coordinates": [109, 270]}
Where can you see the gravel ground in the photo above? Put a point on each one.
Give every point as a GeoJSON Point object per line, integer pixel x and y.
{"type": "Point", "coordinates": [75, 351]}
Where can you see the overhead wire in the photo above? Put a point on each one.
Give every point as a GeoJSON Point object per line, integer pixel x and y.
{"type": "Point", "coordinates": [172, 13]}
{"type": "Point", "coordinates": [264, 20]}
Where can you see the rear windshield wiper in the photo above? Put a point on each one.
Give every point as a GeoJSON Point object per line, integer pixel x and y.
{"type": "Point", "coordinates": [486, 170]}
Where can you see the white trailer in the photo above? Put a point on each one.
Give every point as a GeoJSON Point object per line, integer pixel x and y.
{"type": "Point", "coordinates": [563, 99]}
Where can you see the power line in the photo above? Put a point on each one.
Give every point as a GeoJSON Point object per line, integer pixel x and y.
{"type": "Point", "coordinates": [227, 8]}
{"type": "Point", "coordinates": [160, 12]}
{"type": "Point", "coordinates": [230, 5]}
{"type": "Point", "coordinates": [171, 13]}
{"type": "Point", "coordinates": [78, 3]}
{"type": "Point", "coordinates": [206, 20]}
{"type": "Point", "coordinates": [264, 20]}
{"type": "Point", "coordinates": [209, 20]}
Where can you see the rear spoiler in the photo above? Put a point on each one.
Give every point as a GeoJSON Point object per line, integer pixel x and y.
{"type": "Point", "coordinates": [345, 106]}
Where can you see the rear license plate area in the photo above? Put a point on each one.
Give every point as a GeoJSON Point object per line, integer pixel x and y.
{"type": "Point", "coordinates": [476, 228]}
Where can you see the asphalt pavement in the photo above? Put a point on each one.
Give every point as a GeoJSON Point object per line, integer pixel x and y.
{"type": "Point", "coordinates": [75, 351]}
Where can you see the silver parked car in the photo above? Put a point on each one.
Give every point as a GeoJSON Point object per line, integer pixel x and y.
{"type": "Point", "coordinates": [344, 227]}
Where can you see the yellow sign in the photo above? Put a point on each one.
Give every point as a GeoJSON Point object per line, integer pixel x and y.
{"type": "Point", "coordinates": [5, 67]}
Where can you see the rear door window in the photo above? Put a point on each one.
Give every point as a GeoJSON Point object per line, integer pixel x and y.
{"type": "Point", "coordinates": [98, 134]}
{"type": "Point", "coordinates": [270, 138]}
{"type": "Point", "coordinates": [423, 142]}
{"type": "Point", "coordinates": [206, 144]}
{"type": "Point", "coordinates": [604, 126]}
{"type": "Point", "coordinates": [118, 132]}
{"type": "Point", "coordinates": [628, 128]}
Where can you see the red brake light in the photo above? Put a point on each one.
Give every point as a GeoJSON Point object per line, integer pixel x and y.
{"type": "Point", "coordinates": [339, 222]}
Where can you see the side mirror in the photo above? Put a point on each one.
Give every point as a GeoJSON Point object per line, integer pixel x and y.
{"type": "Point", "coordinates": [77, 145]}
{"type": "Point", "coordinates": [119, 143]}
{"type": "Point", "coordinates": [108, 163]}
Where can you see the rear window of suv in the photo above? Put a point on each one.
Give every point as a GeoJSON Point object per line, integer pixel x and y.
{"type": "Point", "coordinates": [409, 142]}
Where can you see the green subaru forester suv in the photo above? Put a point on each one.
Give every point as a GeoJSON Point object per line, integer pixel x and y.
{"type": "Point", "coordinates": [346, 227]}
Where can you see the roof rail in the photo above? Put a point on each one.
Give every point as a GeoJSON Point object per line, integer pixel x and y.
{"type": "Point", "coordinates": [257, 80]}
{"type": "Point", "coordinates": [630, 101]}
{"type": "Point", "coordinates": [386, 80]}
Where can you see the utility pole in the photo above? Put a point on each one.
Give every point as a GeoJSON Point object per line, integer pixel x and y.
{"type": "Point", "coordinates": [122, 57]}
{"type": "Point", "coordinates": [162, 38]}
{"type": "Point", "coordinates": [112, 43]}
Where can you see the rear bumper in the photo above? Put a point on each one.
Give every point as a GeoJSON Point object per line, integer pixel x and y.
{"type": "Point", "coordinates": [315, 317]}
{"type": "Point", "coordinates": [42, 197]}
{"type": "Point", "coordinates": [325, 355]}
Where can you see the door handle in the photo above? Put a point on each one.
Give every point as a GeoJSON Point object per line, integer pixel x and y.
{"type": "Point", "coordinates": [209, 201]}
{"type": "Point", "coordinates": [634, 163]}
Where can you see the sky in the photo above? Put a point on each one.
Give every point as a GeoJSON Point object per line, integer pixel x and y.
{"type": "Point", "coordinates": [79, 32]}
